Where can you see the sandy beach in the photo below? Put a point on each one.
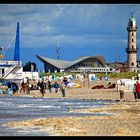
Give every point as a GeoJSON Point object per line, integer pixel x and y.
{"type": "Point", "coordinates": [124, 121]}
{"type": "Point", "coordinates": [84, 92]}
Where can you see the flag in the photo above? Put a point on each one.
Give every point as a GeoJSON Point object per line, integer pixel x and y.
{"type": "Point", "coordinates": [54, 76]}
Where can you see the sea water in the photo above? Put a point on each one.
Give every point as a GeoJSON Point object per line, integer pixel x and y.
{"type": "Point", "coordinates": [16, 108]}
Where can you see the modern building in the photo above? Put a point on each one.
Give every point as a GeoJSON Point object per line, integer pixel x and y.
{"type": "Point", "coordinates": [85, 63]}
{"type": "Point", "coordinates": [132, 47]}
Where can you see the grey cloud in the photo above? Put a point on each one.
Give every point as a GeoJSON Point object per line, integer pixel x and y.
{"type": "Point", "coordinates": [73, 22]}
{"type": "Point", "coordinates": [14, 9]}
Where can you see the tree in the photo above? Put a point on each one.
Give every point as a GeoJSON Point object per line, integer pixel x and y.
{"type": "Point", "coordinates": [30, 66]}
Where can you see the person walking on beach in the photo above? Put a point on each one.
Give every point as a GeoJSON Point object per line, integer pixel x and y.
{"type": "Point", "coordinates": [38, 84]}
{"type": "Point", "coordinates": [23, 87]}
{"type": "Point", "coordinates": [62, 88]}
{"type": "Point", "coordinates": [28, 87]}
{"type": "Point", "coordinates": [134, 91]}
{"type": "Point", "coordinates": [121, 89]}
{"type": "Point", "coordinates": [42, 88]}
{"type": "Point", "coordinates": [14, 87]}
{"type": "Point", "coordinates": [50, 86]}
{"type": "Point", "coordinates": [56, 87]}
{"type": "Point", "coordinates": [138, 90]}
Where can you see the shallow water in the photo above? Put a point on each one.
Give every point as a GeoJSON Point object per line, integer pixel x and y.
{"type": "Point", "coordinates": [13, 108]}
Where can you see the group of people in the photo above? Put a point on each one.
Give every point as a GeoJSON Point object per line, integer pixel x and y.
{"type": "Point", "coordinates": [26, 86]}
{"type": "Point", "coordinates": [136, 90]}
{"type": "Point", "coordinates": [42, 86]}
{"type": "Point", "coordinates": [12, 87]}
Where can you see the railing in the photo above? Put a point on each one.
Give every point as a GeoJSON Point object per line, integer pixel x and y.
{"type": "Point", "coordinates": [10, 69]}
{"type": "Point", "coordinates": [131, 49]}
{"type": "Point", "coordinates": [132, 28]}
{"type": "Point", "coordinates": [82, 69]}
{"type": "Point", "coordinates": [3, 62]}
{"type": "Point", "coordinates": [14, 76]}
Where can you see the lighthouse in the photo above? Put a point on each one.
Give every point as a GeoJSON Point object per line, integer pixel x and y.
{"type": "Point", "coordinates": [132, 47]}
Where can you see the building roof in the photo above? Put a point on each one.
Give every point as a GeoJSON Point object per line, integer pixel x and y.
{"type": "Point", "coordinates": [116, 65]}
{"type": "Point", "coordinates": [62, 64]}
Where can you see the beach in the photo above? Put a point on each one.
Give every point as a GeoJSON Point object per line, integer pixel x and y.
{"type": "Point", "coordinates": [85, 92]}
{"type": "Point", "coordinates": [124, 118]}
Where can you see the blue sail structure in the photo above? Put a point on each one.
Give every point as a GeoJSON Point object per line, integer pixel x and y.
{"type": "Point", "coordinates": [17, 47]}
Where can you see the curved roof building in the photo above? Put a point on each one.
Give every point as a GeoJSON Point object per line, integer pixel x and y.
{"type": "Point", "coordinates": [53, 65]}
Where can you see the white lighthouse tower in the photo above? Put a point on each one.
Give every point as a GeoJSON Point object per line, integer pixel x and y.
{"type": "Point", "coordinates": [132, 47]}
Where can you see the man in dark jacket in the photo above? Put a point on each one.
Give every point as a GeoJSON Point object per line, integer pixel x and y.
{"type": "Point", "coordinates": [42, 88]}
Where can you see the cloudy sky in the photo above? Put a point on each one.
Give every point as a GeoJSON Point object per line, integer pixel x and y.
{"type": "Point", "coordinates": [77, 29]}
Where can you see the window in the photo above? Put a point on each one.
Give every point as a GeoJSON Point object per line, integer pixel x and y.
{"type": "Point", "coordinates": [132, 47]}
{"type": "Point", "coordinates": [132, 64]}
{"type": "Point", "coordinates": [132, 34]}
{"type": "Point", "coordinates": [132, 40]}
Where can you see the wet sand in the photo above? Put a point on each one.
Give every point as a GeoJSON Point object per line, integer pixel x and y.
{"type": "Point", "coordinates": [124, 121]}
